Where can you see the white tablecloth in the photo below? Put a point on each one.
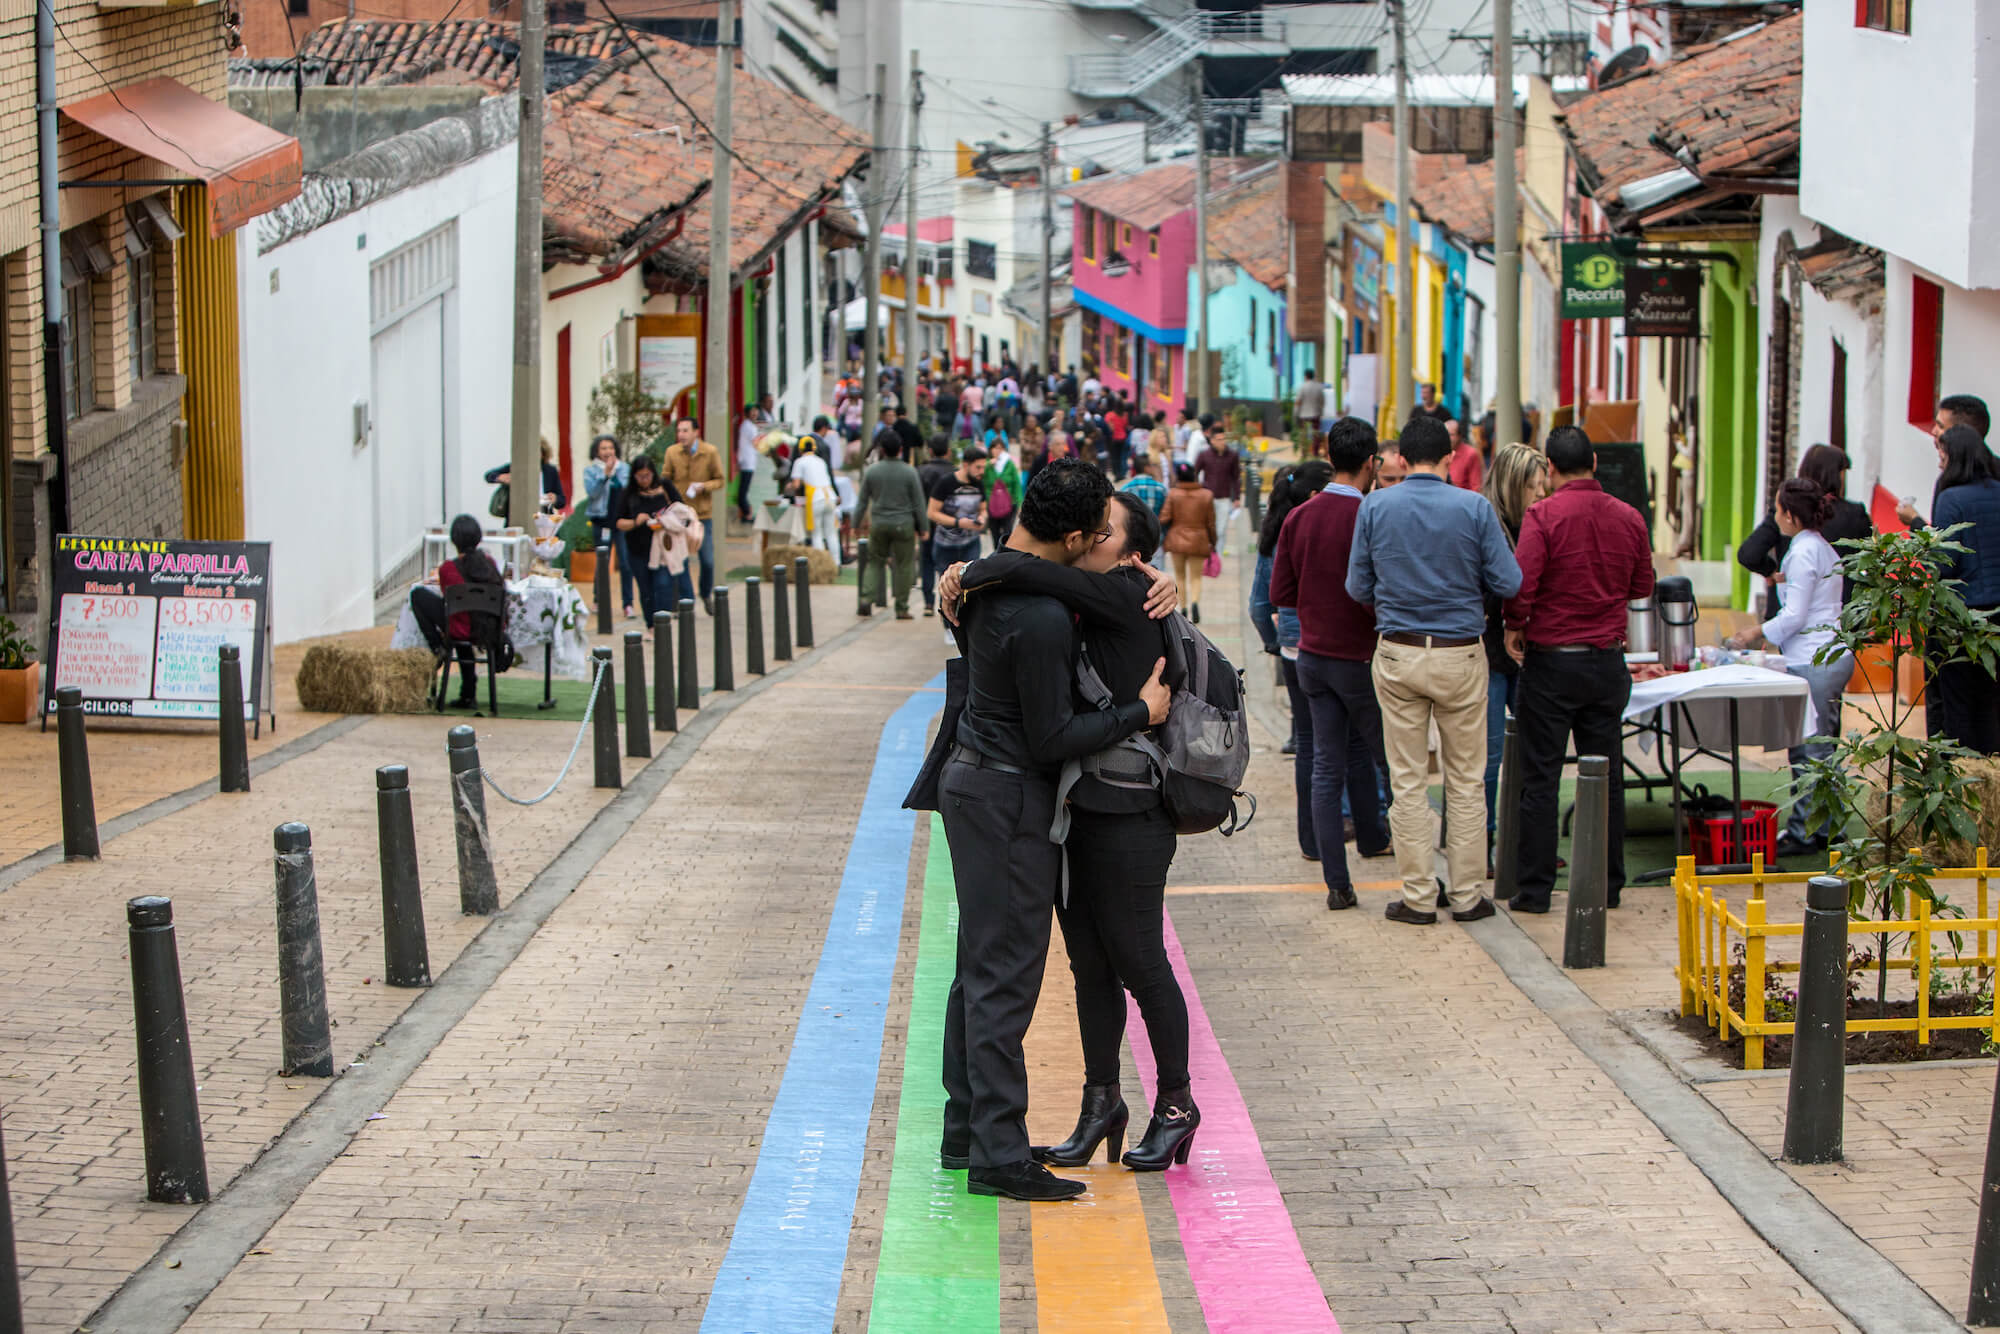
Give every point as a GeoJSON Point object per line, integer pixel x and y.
{"type": "Point", "coordinates": [1774, 708]}
{"type": "Point", "coordinates": [540, 610]}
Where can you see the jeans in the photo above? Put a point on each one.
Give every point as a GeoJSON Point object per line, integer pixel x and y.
{"type": "Point", "coordinates": [1563, 694]}
{"type": "Point", "coordinates": [1417, 687]}
{"type": "Point", "coordinates": [1114, 929]}
{"type": "Point", "coordinates": [1501, 690]}
{"type": "Point", "coordinates": [1826, 682]}
{"type": "Point", "coordinates": [662, 590]}
{"type": "Point", "coordinates": [605, 534]}
{"type": "Point", "coordinates": [1302, 759]}
{"type": "Point", "coordinates": [1001, 528]}
{"type": "Point", "coordinates": [927, 568]}
{"type": "Point", "coordinates": [1346, 724]}
{"type": "Point", "coordinates": [1263, 616]}
{"type": "Point", "coordinates": [707, 560]}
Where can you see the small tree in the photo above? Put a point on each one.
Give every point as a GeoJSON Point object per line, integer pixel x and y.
{"type": "Point", "coordinates": [1893, 798]}
{"type": "Point", "coordinates": [620, 405]}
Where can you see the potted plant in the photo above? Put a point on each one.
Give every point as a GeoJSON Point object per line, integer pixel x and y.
{"type": "Point", "coordinates": [20, 675]}
{"type": "Point", "coordinates": [1896, 799]}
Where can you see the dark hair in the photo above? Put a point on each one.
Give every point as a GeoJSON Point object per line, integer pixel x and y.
{"type": "Point", "coordinates": [1969, 407]}
{"type": "Point", "coordinates": [1183, 472]}
{"type": "Point", "coordinates": [1067, 496]}
{"type": "Point", "coordinates": [822, 422]}
{"type": "Point", "coordinates": [1569, 451]}
{"type": "Point", "coordinates": [1350, 444]}
{"type": "Point", "coordinates": [1424, 441]}
{"type": "Point", "coordinates": [1805, 501]}
{"type": "Point", "coordinates": [1966, 459]}
{"type": "Point", "coordinates": [891, 446]}
{"type": "Point", "coordinates": [644, 461]}
{"type": "Point", "coordinates": [465, 534]}
{"type": "Point", "coordinates": [1142, 526]}
{"type": "Point", "coordinates": [1290, 488]}
{"type": "Point", "coordinates": [940, 446]}
{"type": "Point", "coordinates": [1207, 419]}
{"type": "Point", "coordinates": [1824, 464]}
{"type": "Point", "coordinates": [973, 452]}
{"type": "Point", "coordinates": [690, 421]}
{"type": "Point", "coordinates": [598, 440]}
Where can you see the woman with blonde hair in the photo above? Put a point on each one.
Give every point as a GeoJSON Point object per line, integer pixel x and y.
{"type": "Point", "coordinates": [1517, 477]}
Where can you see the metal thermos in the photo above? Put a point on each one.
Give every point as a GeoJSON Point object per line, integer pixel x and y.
{"type": "Point", "coordinates": [1642, 631]}
{"type": "Point", "coordinates": [1673, 597]}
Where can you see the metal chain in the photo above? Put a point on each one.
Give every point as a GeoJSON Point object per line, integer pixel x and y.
{"type": "Point", "coordinates": [596, 688]}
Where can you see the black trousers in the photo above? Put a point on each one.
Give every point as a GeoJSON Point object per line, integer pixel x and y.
{"type": "Point", "coordinates": [1302, 756]}
{"type": "Point", "coordinates": [1565, 694]}
{"type": "Point", "coordinates": [1114, 928]}
{"type": "Point", "coordinates": [1007, 873]}
{"type": "Point", "coordinates": [1964, 706]}
{"type": "Point", "coordinates": [427, 605]}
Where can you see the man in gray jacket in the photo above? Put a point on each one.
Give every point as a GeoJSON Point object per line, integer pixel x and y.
{"type": "Point", "coordinates": [894, 510]}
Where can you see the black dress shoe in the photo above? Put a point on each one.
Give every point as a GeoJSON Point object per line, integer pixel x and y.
{"type": "Point", "coordinates": [1400, 911]}
{"type": "Point", "coordinates": [954, 1157]}
{"type": "Point", "coordinates": [1791, 846]}
{"type": "Point", "coordinates": [1309, 856]}
{"type": "Point", "coordinates": [1169, 1135]}
{"type": "Point", "coordinates": [1103, 1118]}
{"type": "Point", "coordinates": [1194, 614]}
{"type": "Point", "coordinates": [1291, 747]}
{"type": "Point", "coordinates": [1386, 850]}
{"type": "Point", "coordinates": [1519, 904]}
{"type": "Point", "coordinates": [1337, 899]}
{"type": "Point", "coordinates": [1478, 912]}
{"type": "Point", "coordinates": [466, 702]}
{"type": "Point", "coordinates": [1026, 1180]}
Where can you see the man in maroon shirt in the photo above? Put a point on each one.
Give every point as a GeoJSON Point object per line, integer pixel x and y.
{"type": "Point", "coordinates": [1220, 469]}
{"type": "Point", "coordinates": [1336, 644]}
{"type": "Point", "coordinates": [1583, 556]}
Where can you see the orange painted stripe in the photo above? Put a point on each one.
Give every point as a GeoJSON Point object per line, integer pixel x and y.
{"type": "Point", "coordinates": [1315, 887]}
{"type": "Point", "coordinates": [1093, 1260]}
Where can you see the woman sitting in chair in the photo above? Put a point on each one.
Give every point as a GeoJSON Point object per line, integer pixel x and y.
{"type": "Point", "coordinates": [470, 566]}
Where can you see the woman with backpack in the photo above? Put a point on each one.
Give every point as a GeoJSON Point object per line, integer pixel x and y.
{"type": "Point", "coordinates": [1119, 849]}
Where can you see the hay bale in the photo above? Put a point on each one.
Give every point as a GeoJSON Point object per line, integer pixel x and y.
{"type": "Point", "coordinates": [819, 561]}
{"type": "Point", "coordinates": [341, 678]}
{"type": "Point", "coordinates": [1985, 773]}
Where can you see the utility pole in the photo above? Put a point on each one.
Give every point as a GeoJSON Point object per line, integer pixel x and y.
{"type": "Point", "coordinates": [871, 263]}
{"type": "Point", "coordinates": [717, 399]}
{"type": "Point", "coordinates": [1048, 241]}
{"type": "Point", "coordinates": [911, 283]}
{"type": "Point", "coordinates": [524, 459]}
{"type": "Point", "coordinates": [1403, 388]}
{"type": "Point", "coordinates": [1198, 379]}
{"type": "Point", "coordinates": [1506, 234]}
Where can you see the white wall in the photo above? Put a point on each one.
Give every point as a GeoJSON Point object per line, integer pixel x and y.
{"type": "Point", "coordinates": [1971, 351]}
{"type": "Point", "coordinates": [589, 315]}
{"type": "Point", "coordinates": [1899, 135]}
{"type": "Point", "coordinates": [304, 330]}
{"type": "Point", "coordinates": [799, 398]}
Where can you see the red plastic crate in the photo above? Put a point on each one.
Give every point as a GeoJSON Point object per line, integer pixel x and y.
{"type": "Point", "coordinates": [1711, 835]}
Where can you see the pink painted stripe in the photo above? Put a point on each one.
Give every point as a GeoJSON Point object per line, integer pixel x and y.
{"type": "Point", "coordinates": [1242, 1250]}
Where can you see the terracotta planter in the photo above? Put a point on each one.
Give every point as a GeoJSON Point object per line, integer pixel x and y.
{"type": "Point", "coordinates": [20, 693]}
{"type": "Point", "coordinates": [582, 567]}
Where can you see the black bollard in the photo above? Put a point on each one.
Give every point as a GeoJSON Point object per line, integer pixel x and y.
{"type": "Point", "coordinates": [690, 659]}
{"type": "Point", "coordinates": [1983, 1306]}
{"type": "Point", "coordinates": [235, 749]}
{"type": "Point", "coordinates": [478, 890]}
{"type": "Point", "coordinates": [169, 1113]}
{"type": "Point", "coordinates": [781, 616]}
{"type": "Point", "coordinates": [665, 717]}
{"type": "Point", "coordinates": [1507, 819]}
{"type": "Point", "coordinates": [802, 630]}
{"type": "Point", "coordinates": [406, 955]}
{"type": "Point", "coordinates": [601, 589]}
{"type": "Point", "coordinates": [10, 1271]}
{"type": "Point", "coordinates": [1814, 1099]}
{"type": "Point", "coordinates": [604, 721]}
{"type": "Point", "coordinates": [1589, 885]}
{"type": "Point", "coordinates": [725, 651]}
{"type": "Point", "coordinates": [79, 808]}
{"type": "Point", "coordinates": [861, 606]}
{"type": "Point", "coordinates": [306, 1037]}
{"type": "Point", "coordinates": [638, 737]}
{"type": "Point", "coordinates": [753, 625]}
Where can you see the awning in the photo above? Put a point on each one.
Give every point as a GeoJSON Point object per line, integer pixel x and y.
{"type": "Point", "coordinates": [249, 168]}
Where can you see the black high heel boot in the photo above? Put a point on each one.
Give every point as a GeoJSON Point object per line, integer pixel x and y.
{"type": "Point", "coordinates": [1104, 1117]}
{"type": "Point", "coordinates": [1170, 1134]}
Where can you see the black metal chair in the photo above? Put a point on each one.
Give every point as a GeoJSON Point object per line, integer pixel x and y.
{"type": "Point", "coordinates": [487, 605]}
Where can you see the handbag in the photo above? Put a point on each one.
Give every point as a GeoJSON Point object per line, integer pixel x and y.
{"type": "Point", "coordinates": [497, 506]}
{"type": "Point", "coordinates": [1212, 567]}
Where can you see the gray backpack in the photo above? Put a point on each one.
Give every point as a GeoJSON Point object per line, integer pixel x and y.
{"type": "Point", "coordinates": [1196, 758]}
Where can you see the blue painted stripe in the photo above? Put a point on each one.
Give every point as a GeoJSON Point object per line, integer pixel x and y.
{"type": "Point", "coordinates": [782, 1273]}
{"type": "Point", "coordinates": [1090, 301]}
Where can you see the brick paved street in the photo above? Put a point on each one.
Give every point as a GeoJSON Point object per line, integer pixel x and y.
{"type": "Point", "coordinates": [1420, 1145]}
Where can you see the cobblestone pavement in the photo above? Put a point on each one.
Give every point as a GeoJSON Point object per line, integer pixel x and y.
{"type": "Point", "coordinates": [668, 1112]}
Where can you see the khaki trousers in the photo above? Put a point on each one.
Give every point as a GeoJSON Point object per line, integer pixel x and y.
{"type": "Point", "coordinates": [1416, 688]}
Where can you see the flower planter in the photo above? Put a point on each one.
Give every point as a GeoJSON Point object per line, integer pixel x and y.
{"type": "Point", "coordinates": [20, 693]}
{"type": "Point", "coordinates": [582, 566]}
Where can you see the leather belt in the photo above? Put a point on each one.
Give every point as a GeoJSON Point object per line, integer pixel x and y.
{"type": "Point", "coordinates": [966, 755]}
{"type": "Point", "coordinates": [1576, 648]}
{"type": "Point", "coordinates": [1427, 641]}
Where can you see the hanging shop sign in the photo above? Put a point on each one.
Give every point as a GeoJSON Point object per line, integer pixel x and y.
{"type": "Point", "coordinates": [1593, 279]}
{"type": "Point", "coordinates": [1663, 301]}
{"type": "Point", "coordinates": [138, 622]}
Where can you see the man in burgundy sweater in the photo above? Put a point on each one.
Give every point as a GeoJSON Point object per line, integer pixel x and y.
{"type": "Point", "coordinates": [1583, 555]}
{"type": "Point", "coordinates": [1336, 642]}
{"type": "Point", "coordinates": [1219, 468]}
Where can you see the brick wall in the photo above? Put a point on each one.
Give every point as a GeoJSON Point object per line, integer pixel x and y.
{"type": "Point", "coordinates": [1305, 229]}
{"type": "Point", "coordinates": [125, 465]}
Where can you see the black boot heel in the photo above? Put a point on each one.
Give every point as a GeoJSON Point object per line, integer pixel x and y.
{"type": "Point", "coordinates": [1181, 1154]}
{"type": "Point", "coordinates": [1103, 1117]}
{"type": "Point", "coordinates": [1168, 1135]}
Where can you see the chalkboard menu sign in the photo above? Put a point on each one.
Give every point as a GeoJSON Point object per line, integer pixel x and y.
{"type": "Point", "coordinates": [138, 623]}
{"type": "Point", "coordinates": [1621, 471]}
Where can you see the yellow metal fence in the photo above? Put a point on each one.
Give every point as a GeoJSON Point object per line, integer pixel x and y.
{"type": "Point", "coordinates": [1708, 932]}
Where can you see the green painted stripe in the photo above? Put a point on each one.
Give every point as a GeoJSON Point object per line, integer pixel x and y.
{"type": "Point", "coordinates": [940, 1263]}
